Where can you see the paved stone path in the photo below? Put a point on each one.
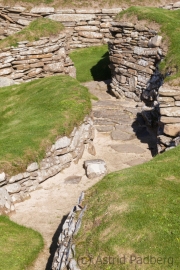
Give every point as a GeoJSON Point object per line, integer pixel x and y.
{"type": "Point", "coordinates": [121, 140]}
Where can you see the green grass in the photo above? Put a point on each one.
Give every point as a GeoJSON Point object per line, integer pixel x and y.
{"type": "Point", "coordinates": [169, 22]}
{"type": "Point", "coordinates": [134, 211]}
{"type": "Point", "coordinates": [41, 27]}
{"type": "Point", "coordinates": [91, 63]}
{"type": "Point", "coordinates": [19, 246]}
{"type": "Point", "coordinates": [34, 114]}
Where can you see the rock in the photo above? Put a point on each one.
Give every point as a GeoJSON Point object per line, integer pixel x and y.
{"type": "Point", "coordinates": [65, 159]}
{"type": "Point", "coordinates": [72, 179]}
{"type": "Point", "coordinates": [168, 120]}
{"type": "Point", "coordinates": [42, 10]}
{"type": "Point", "coordinates": [165, 140]}
{"type": "Point", "coordinates": [87, 28]}
{"type": "Point", "coordinates": [23, 22]}
{"type": "Point", "coordinates": [32, 167]}
{"type": "Point", "coordinates": [172, 129]}
{"type": "Point", "coordinates": [176, 5]}
{"type": "Point", "coordinates": [128, 148]}
{"type": "Point", "coordinates": [155, 41]}
{"type": "Point", "coordinates": [55, 67]}
{"type": "Point", "coordinates": [91, 149]}
{"type": "Point", "coordinates": [120, 135]}
{"type": "Point", "coordinates": [5, 71]}
{"type": "Point", "coordinates": [73, 265]}
{"type": "Point", "coordinates": [88, 34]}
{"type": "Point", "coordinates": [6, 204]}
{"type": "Point", "coordinates": [2, 177]}
{"type": "Point", "coordinates": [95, 168]}
{"type": "Point", "coordinates": [168, 92]}
{"type": "Point", "coordinates": [13, 188]}
{"type": "Point", "coordinates": [104, 128]}
{"type": "Point", "coordinates": [170, 111]}
{"type": "Point", "coordinates": [16, 178]}
{"type": "Point", "coordinates": [71, 17]}
{"type": "Point", "coordinates": [62, 143]}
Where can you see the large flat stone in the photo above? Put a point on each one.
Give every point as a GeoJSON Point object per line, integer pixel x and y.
{"type": "Point", "coordinates": [168, 92]}
{"type": "Point", "coordinates": [128, 148]}
{"type": "Point", "coordinates": [172, 129]}
{"type": "Point", "coordinates": [95, 168]}
{"type": "Point", "coordinates": [71, 17]}
{"type": "Point", "coordinates": [104, 128]}
{"type": "Point", "coordinates": [168, 120]}
{"type": "Point", "coordinates": [72, 179]}
{"type": "Point", "coordinates": [120, 135]}
{"type": "Point", "coordinates": [170, 111]}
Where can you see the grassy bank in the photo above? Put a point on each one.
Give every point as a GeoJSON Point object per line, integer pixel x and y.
{"type": "Point", "coordinates": [34, 114]}
{"type": "Point", "coordinates": [38, 28]}
{"type": "Point", "coordinates": [19, 245]}
{"type": "Point", "coordinates": [134, 213]}
{"type": "Point", "coordinates": [84, 3]}
{"type": "Point", "coordinates": [169, 28]}
{"type": "Point", "coordinates": [91, 63]}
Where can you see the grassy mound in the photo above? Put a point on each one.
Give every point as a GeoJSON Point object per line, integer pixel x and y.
{"type": "Point", "coordinates": [169, 22]}
{"type": "Point", "coordinates": [133, 214]}
{"type": "Point", "coordinates": [19, 245]}
{"type": "Point", "coordinates": [91, 63]}
{"type": "Point", "coordinates": [34, 114]}
{"type": "Point", "coordinates": [41, 27]}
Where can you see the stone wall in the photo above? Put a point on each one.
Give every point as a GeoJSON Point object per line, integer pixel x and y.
{"type": "Point", "coordinates": [171, 6]}
{"type": "Point", "coordinates": [62, 153]}
{"type": "Point", "coordinates": [169, 120]}
{"type": "Point", "coordinates": [37, 59]}
{"type": "Point", "coordinates": [134, 55]}
{"type": "Point", "coordinates": [86, 27]}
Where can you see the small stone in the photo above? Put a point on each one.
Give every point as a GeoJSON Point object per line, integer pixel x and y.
{"type": "Point", "coordinates": [95, 168]}
{"type": "Point", "coordinates": [62, 143]}
{"type": "Point", "coordinates": [91, 149]}
{"type": "Point", "coordinates": [155, 41]}
{"type": "Point", "coordinates": [2, 177]}
{"type": "Point", "coordinates": [33, 167]}
{"type": "Point", "coordinates": [13, 188]}
{"type": "Point", "coordinates": [172, 129]}
{"type": "Point", "coordinates": [72, 179]}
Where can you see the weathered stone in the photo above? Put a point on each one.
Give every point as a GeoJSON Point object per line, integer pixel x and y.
{"type": "Point", "coordinates": [176, 5]}
{"type": "Point", "coordinates": [55, 67]}
{"type": "Point", "coordinates": [72, 179]}
{"type": "Point", "coordinates": [16, 178]}
{"type": "Point", "coordinates": [168, 120]}
{"type": "Point", "coordinates": [91, 149]}
{"type": "Point", "coordinates": [93, 35]}
{"type": "Point", "coordinates": [65, 159]}
{"type": "Point", "coordinates": [33, 167]}
{"type": "Point", "coordinates": [2, 177]}
{"type": "Point", "coordinates": [42, 10]}
{"type": "Point", "coordinates": [123, 24]}
{"type": "Point", "coordinates": [71, 17]}
{"type": "Point", "coordinates": [128, 148]}
{"type": "Point", "coordinates": [177, 103]}
{"type": "Point", "coordinates": [145, 52]}
{"type": "Point", "coordinates": [86, 28]}
{"type": "Point", "coordinates": [172, 129]}
{"type": "Point", "coordinates": [165, 140]}
{"type": "Point", "coordinates": [5, 201]}
{"type": "Point", "coordinates": [51, 49]}
{"type": "Point", "coordinates": [62, 143]}
{"type": "Point", "coordinates": [170, 111]}
{"type": "Point", "coordinates": [6, 81]}
{"type": "Point", "coordinates": [13, 188]}
{"type": "Point", "coordinates": [168, 92]}
{"type": "Point", "coordinates": [35, 72]}
{"type": "Point", "coordinates": [95, 168]}
{"type": "Point", "coordinates": [155, 41]}
{"type": "Point", "coordinates": [5, 71]}
{"type": "Point", "coordinates": [23, 22]}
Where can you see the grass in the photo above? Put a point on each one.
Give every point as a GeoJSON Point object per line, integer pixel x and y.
{"type": "Point", "coordinates": [41, 27]}
{"type": "Point", "coordinates": [84, 3]}
{"type": "Point", "coordinates": [134, 212]}
{"type": "Point", "coordinates": [91, 63]}
{"type": "Point", "coordinates": [170, 30]}
{"type": "Point", "coordinates": [19, 245]}
{"type": "Point", "coordinates": [34, 114]}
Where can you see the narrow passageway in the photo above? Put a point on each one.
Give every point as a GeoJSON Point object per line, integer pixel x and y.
{"type": "Point", "coordinates": [116, 142]}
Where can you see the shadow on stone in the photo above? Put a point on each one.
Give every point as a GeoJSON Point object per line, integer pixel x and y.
{"type": "Point", "coordinates": [54, 245]}
{"type": "Point", "coordinates": [145, 134]}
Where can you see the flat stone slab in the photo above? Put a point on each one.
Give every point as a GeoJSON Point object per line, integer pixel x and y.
{"type": "Point", "coordinates": [125, 128]}
{"type": "Point", "coordinates": [104, 128]}
{"type": "Point", "coordinates": [136, 161]}
{"type": "Point", "coordinates": [120, 135]}
{"type": "Point", "coordinates": [128, 148]}
{"type": "Point", "coordinates": [95, 168]}
{"type": "Point", "coordinates": [74, 179]}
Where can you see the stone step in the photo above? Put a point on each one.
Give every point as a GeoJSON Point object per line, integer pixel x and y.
{"type": "Point", "coordinates": [123, 136]}
{"type": "Point", "coordinates": [128, 148]}
{"type": "Point", "coordinates": [104, 128]}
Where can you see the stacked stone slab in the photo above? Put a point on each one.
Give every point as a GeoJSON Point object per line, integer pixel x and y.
{"type": "Point", "coordinates": [169, 122]}
{"type": "Point", "coordinates": [60, 156]}
{"type": "Point", "coordinates": [171, 6]}
{"type": "Point", "coordinates": [86, 27]}
{"type": "Point", "coordinates": [37, 59]}
{"type": "Point", "coordinates": [134, 53]}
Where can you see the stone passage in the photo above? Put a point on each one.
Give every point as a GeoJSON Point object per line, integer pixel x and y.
{"type": "Point", "coordinates": [134, 54]}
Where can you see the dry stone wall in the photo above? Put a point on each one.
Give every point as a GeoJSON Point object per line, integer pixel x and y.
{"type": "Point", "coordinates": [169, 120]}
{"type": "Point", "coordinates": [62, 153]}
{"type": "Point", "coordinates": [37, 59]}
{"type": "Point", "coordinates": [171, 6]}
{"type": "Point", "coordinates": [86, 27]}
{"type": "Point", "coordinates": [134, 54]}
